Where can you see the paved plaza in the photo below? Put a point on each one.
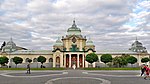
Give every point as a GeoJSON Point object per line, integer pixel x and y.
{"type": "Point", "coordinates": [72, 77]}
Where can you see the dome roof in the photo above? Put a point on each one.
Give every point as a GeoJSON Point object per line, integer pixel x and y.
{"type": "Point", "coordinates": [137, 47]}
{"type": "Point", "coordinates": [11, 43]}
{"type": "Point", "coordinates": [89, 42]}
{"type": "Point", "coordinates": [58, 42]}
{"type": "Point", "coordinates": [10, 46]}
{"type": "Point", "coordinates": [137, 43]}
{"type": "Point", "coordinates": [74, 30]}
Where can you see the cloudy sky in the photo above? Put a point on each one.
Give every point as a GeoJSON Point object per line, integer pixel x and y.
{"type": "Point", "coordinates": [111, 24]}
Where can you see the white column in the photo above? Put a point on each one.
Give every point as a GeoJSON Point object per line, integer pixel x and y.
{"type": "Point", "coordinates": [83, 60]}
{"type": "Point", "coordinates": [61, 60]}
{"type": "Point", "coordinates": [54, 61]}
{"type": "Point", "coordinates": [69, 60]}
{"type": "Point", "coordinates": [77, 60]}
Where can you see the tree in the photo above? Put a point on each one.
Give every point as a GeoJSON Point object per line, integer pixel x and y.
{"type": "Point", "coordinates": [92, 57]}
{"type": "Point", "coordinates": [4, 43]}
{"type": "Point", "coordinates": [106, 58]}
{"type": "Point", "coordinates": [144, 60]}
{"type": "Point", "coordinates": [17, 60]}
{"type": "Point", "coordinates": [120, 61]}
{"type": "Point", "coordinates": [131, 60]}
{"type": "Point", "coordinates": [41, 59]}
{"type": "Point", "coordinates": [3, 60]}
{"type": "Point", "coordinates": [29, 60]}
{"type": "Point", "coordinates": [117, 61]}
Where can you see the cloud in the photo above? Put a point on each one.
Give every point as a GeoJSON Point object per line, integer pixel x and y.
{"type": "Point", "coordinates": [36, 24]}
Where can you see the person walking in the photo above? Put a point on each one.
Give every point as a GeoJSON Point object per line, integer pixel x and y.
{"type": "Point", "coordinates": [28, 68]}
{"type": "Point", "coordinates": [147, 72]}
{"type": "Point", "coordinates": [143, 68]}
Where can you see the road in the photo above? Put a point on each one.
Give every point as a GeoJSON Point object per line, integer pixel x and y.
{"type": "Point", "coordinates": [72, 77]}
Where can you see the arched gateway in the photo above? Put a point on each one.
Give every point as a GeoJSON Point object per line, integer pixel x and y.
{"type": "Point", "coordinates": [72, 48]}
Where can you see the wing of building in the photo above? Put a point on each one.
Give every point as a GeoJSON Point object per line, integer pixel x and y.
{"type": "Point", "coordinates": [68, 51]}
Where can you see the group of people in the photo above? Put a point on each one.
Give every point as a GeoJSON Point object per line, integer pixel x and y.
{"type": "Point", "coordinates": [145, 70]}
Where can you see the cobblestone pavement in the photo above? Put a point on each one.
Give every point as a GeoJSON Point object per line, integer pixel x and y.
{"type": "Point", "coordinates": [72, 77]}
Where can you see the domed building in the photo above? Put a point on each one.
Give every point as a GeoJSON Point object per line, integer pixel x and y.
{"type": "Point", "coordinates": [11, 47]}
{"type": "Point", "coordinates": [138, 47]}
{"type": "Point", "coordinates": [73, 50]}
{"type": "Point", "coordinates": [68, 51]}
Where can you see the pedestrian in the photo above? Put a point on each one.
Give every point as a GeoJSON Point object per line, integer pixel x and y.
{"type": "Point", "coordinates": [28, 68]}
{"type": "Point", "coordinates": [143, 68]}
{"type": "Point", "coordinates": [147, 72]}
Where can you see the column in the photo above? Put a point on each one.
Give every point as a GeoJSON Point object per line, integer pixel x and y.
{"type": "Point", "coordinates": [77, 60]}
{"type": "Point", "coordinates": [69, 60]}
{"type": "Point", "coordinates": [54, 61]}
{"type": "Point", "coordinates": [83, 60]}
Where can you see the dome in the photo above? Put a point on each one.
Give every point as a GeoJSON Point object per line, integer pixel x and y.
{"type": "Point", "coordinates": [74, 30]}
{"type": "Point", "coordinates": [11, 43]}
{"type": "Point", "coordinates": [58, 42]}
{"type": "Point", "coordinates": [89, 43]}
{"type": "Point", "coordinates": [137, 43]}
{"type": "Point", "coordinates": [137, 47]}
{"type": "Point", "coordinates": [10, 46]}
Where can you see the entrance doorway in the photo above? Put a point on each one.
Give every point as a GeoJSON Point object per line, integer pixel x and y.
{"type": "Point", "coordinates": [67, 60]}
{"type": "Point", "coordinates": [74, 59]}
{"type": "Point", "coordinates": [80, 61]}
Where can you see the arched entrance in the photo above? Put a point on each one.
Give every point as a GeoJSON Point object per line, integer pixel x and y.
{"type": "Point", "coordinates": [74, 59]}
{"type": "Point", "coordinates": [80, 61]}
{"type": "Point", "coordinates": [57, 61]}
{"type": "Point", "coordinates": [67, 60]}
{"type": "Point", "coordinates": [51, 62]}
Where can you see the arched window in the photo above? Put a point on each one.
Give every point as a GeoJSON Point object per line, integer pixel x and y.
{"type": "Point", "coordinates": [50, 59]}
{"type": "Point", "coordinates": [35, 60]}
{"type": "Point", "coordinates": [26, 59]}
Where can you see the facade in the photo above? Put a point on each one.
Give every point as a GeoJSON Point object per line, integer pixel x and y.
{"type": "Point", "coordinates": [68, 51]}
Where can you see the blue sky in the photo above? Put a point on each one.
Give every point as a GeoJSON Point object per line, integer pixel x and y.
{"type": "Point", "coordinates": [111, 24]}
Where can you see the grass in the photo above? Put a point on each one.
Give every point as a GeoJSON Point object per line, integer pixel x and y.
{"type": "Point", "coordinates": [110, 68]}
{"type": "Point", "coordinates": [32, 68]}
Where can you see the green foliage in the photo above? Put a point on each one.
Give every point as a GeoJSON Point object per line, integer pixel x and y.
{"type": "Point", "coordinates": [131, 60]}
{"type": "Point", "coordinates": [92, 57]}
{"type": "Point", "coordinates": [106, 58]}
{"type": "Point", "coordinates": [144, 60]}
{"type": "Point", "coordinates": [17, 60]}
{"type": "Point", "coordinates": [29, 60]}
{"type": "Point", "coordinates": [4, 43]}
{"type": "Point", "coordinates": [120, 61]}
{"type": "Point", "coordinates": [3, 60]}
{"type": "Point", "coordinates": [41, 59]}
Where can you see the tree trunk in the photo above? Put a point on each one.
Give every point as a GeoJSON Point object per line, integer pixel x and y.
{"type": "Point", "coordinates": [90, 65]}
{"type": "Point", "coordinates": [16, 65]}
{"type": "Point", "coordinates": [42, 65]}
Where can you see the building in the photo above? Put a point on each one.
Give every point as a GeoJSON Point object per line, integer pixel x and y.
{"type": "Point", "coordinates": [68, 51]}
